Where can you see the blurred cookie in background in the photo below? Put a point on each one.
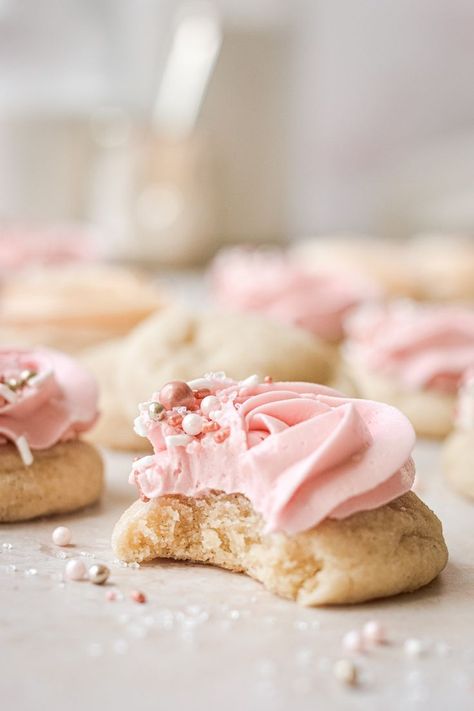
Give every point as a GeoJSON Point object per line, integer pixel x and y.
{"type": "Point", "coordinates": [177, 344]}
{"type": "Point", "coordinates": [379, 260]}
{"type": "Point", "coordinates": [73, 306]}
{"type": "Point", "coordinates": [271, 282]}
{"type": "Point", "coordinates": [443, 265]}
{"type": "Point", "coordinates": [458, 450]}
{"type": "Point", "coordinates": [412, 356]}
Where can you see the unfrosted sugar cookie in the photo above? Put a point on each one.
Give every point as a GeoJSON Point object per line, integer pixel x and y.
{"type": "Point", "coordinates": [180, 345]}
{"type": "Point", "coordinates": [74, 306]}
{"type": "Point", "coordinates": [273, 283]}
{"type": "Point", "coordinates": [412, 356]}
{"type": "Point", "coordinates": [47, 401]}
{"type": "Point", "coordinates": [291, 483]}
{"type": "Point", "coordinates": [458, 450]}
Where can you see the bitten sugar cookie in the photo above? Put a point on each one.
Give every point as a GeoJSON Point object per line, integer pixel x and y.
{"type": "Point", "coordinates": [412, 356]}
{"type": "Point", "coordinates": [46, 401]}
{"type": "Point", "coordinates": [291, 483]}
{"type": "Point", "coordinates": [458, 450]}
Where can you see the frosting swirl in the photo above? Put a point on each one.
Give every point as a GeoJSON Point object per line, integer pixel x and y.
{"type": "Point", "coordinates": [45, 397]}
{"type": "Point", "coordinates": [423, 346]}
{"type": "Point", "coordinates": [277, 286]}
{"type": "Point", "coordinates": [300, 452]}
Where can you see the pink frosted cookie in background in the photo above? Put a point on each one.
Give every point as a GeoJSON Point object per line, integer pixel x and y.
{"type": "Point", "coordinates": [47, 401]}
{"type": "Point", "coordinates": [304, 489]}
{"type": "Point", "coordinates": [412, 356]}
{"type": "Point", "coordinates": [272, 283]}
{"type": "Point", "coordinates": [443, 264]}
{"type": "Point", "coordinates": [458, 450]}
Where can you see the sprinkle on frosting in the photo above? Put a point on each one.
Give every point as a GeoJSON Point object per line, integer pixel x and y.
{"type": "Point", "coordinates": [300, 452]}
{"type": "Point", "coordinates": [422, 346]}
{"type": "Point", "coordinates": [45, 398]}
{"type": "Point", "coordinates": [271, 282]}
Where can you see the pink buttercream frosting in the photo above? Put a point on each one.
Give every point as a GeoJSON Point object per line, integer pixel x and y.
{"type": "Point", "coordinates": [270, 282]}
{"type": "Point", "coordinates": [45, 397]}
{"type": "Point", "coordinates": [300, 452]}
{"type": "Point", "coordinates": [422, 346]}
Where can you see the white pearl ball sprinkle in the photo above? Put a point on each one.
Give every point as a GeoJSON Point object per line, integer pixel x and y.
{"type": "Point", "coordinates": [353, 641]}
{"type": "Point", "coordinates": [346, 672]}
{"type": "Point", "coordinates": [374, 632]}
{"type": "Point", "coordinates": [192, 424]}
{"type": "Point", "coordinates": [413, 647]}
{"type": "Point", "coordinates": [209, 403]}
{"type": "Point", "coordinates": [61, 536]}
{"type": "Point", "coordinates": [75, 570]}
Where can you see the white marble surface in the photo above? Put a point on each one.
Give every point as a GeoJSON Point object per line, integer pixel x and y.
{"type": "Point", "coordinates": [209, 638]}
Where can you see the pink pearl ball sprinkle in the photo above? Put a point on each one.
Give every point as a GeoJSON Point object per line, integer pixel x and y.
{"type": "Point", "coordinates": [138, 596]}
{"type": "Point", "coordinates": [61, 536]}
{"type": "Point", "coordinates": [353, 641]}
{"type": "Point", "coordinates": [176, 393]}
{"type": "Point", "coordinates": [75, 570]}
{"type": "Point", "coordinates": [374, 632]}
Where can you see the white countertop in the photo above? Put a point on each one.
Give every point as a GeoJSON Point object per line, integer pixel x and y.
{"type": "Point", "coordinates": [210, 638]}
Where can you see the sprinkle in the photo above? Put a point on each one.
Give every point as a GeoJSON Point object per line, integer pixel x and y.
{"type": "Point", "coordinates": [40, 378]}
{"type": "Point", "coordinates": [61, 536]}
{"type": "Point", "coordinates": [139, 427]}
{"type": "Point", "coordinates": [210, 427]}
{"type": "Point", "coordinates": [345, 671]}
{"type": "Point", "coordinates": [180, 440]}
{"type": "Point", "coordinates": [24, 450]}
{"type": "Point", "coordinates": [201, 393]}
{"type": "Point", "coordinates": [192, 424]}
{"type": "Point", "coordinates": [209, 404]}
{"type": "Point", "coordinates": [75, 569]}
{"type": "Point", "coordinates": [8, 394]}
{"type": "Point", "coordinates": [222, 435]}
{"type": "Point", "coordinates": [200, 384]}
{"type": "Point", "coordinates": [156, 411]}
{"type": "Point", "coordinates": [413, 647]}
{"type": "Point", "coordinates": [138, 596]}
{"type": "Point", "coordinates": [374, 632]}
{"type": "Point", "coordinates": [175, 420]}
{"type": "Point", "coordinates": [353, 641]}
{"type": "Point", "coordinates": [250, 382]}
{"type": "Point", "coordinates": [268, 379]}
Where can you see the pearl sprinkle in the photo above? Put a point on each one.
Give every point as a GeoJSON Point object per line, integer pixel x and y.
{"type": "Point", "coordinates": [61, 536]}
{"type": "Point", "coordinates": [98, 574]}
{"type": "Point", "coordinates": [192, 424]}
{"type": "Point", "coordinates": [209, 404]}
{"type": "Point", "coordinates": [75, 570]}
{"type": "Point", "coordinates": [176, 393]}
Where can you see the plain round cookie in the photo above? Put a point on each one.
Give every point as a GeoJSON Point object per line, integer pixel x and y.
{"type": "Point", "coordinates": [430, 412]}
{"type": "Point", "coordinates": [114, 428]}
{"type": "Point", "coordinates": [61, 479]}
{"type": "Point", "coordinates": [458, 462]}
{"type": "Point", "coordinates": [394, 549]}
{"type": "Point", "coordinates": [179, 345]}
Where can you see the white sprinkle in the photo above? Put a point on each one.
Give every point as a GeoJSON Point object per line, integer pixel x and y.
{"type": "Point", "coordinates": [201, 384]}
{"type": "Point", "coordinates": [345, 671]}
{"type": "Point", "coordinates": [7, 546]}
{"type": "Point", "coordinates": [40, 378]}
{"type": "Point", "coordinates": [353, 641]}
{"type": "Point", "coordinates": [8, 394]}
{"type": "Point", "coordinates": [139, 427]}
{"type": "Point", "coordinates": [24, 450]}
{"type": "Point", "coordinates": [209, 403]}
{"type": "Point", "coordinates": [146, 461]}
{"type": "Point", "coordinates": [250, 382]}
{"type": "Point", "coordinates": [192, 424]}
{"type": "Point", "coordinates": [413, 647]}
{"type": "Point", "coordinates": [177, 440]}
{"type": "Point", "coordinates": [31, 571]}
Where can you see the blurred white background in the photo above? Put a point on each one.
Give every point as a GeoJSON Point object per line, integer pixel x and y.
{"type": "Point", "coordinates": [313, 116]}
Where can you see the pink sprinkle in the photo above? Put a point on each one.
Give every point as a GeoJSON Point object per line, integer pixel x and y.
{"type": "Point", "coordinates": [268, 379]}
{"type": "Point", "coordinates": [210, 427]}
{"type": "Point", "coordinates": [175, 420]}
{"type": "Point", "coordinates": [222, 435]}
{"type": "Point", "coordinates": [138, 596]}
{"type": "Point", "coordinates": [111, 595]}
{"type": "Point", "coordinates": [374, 632]}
